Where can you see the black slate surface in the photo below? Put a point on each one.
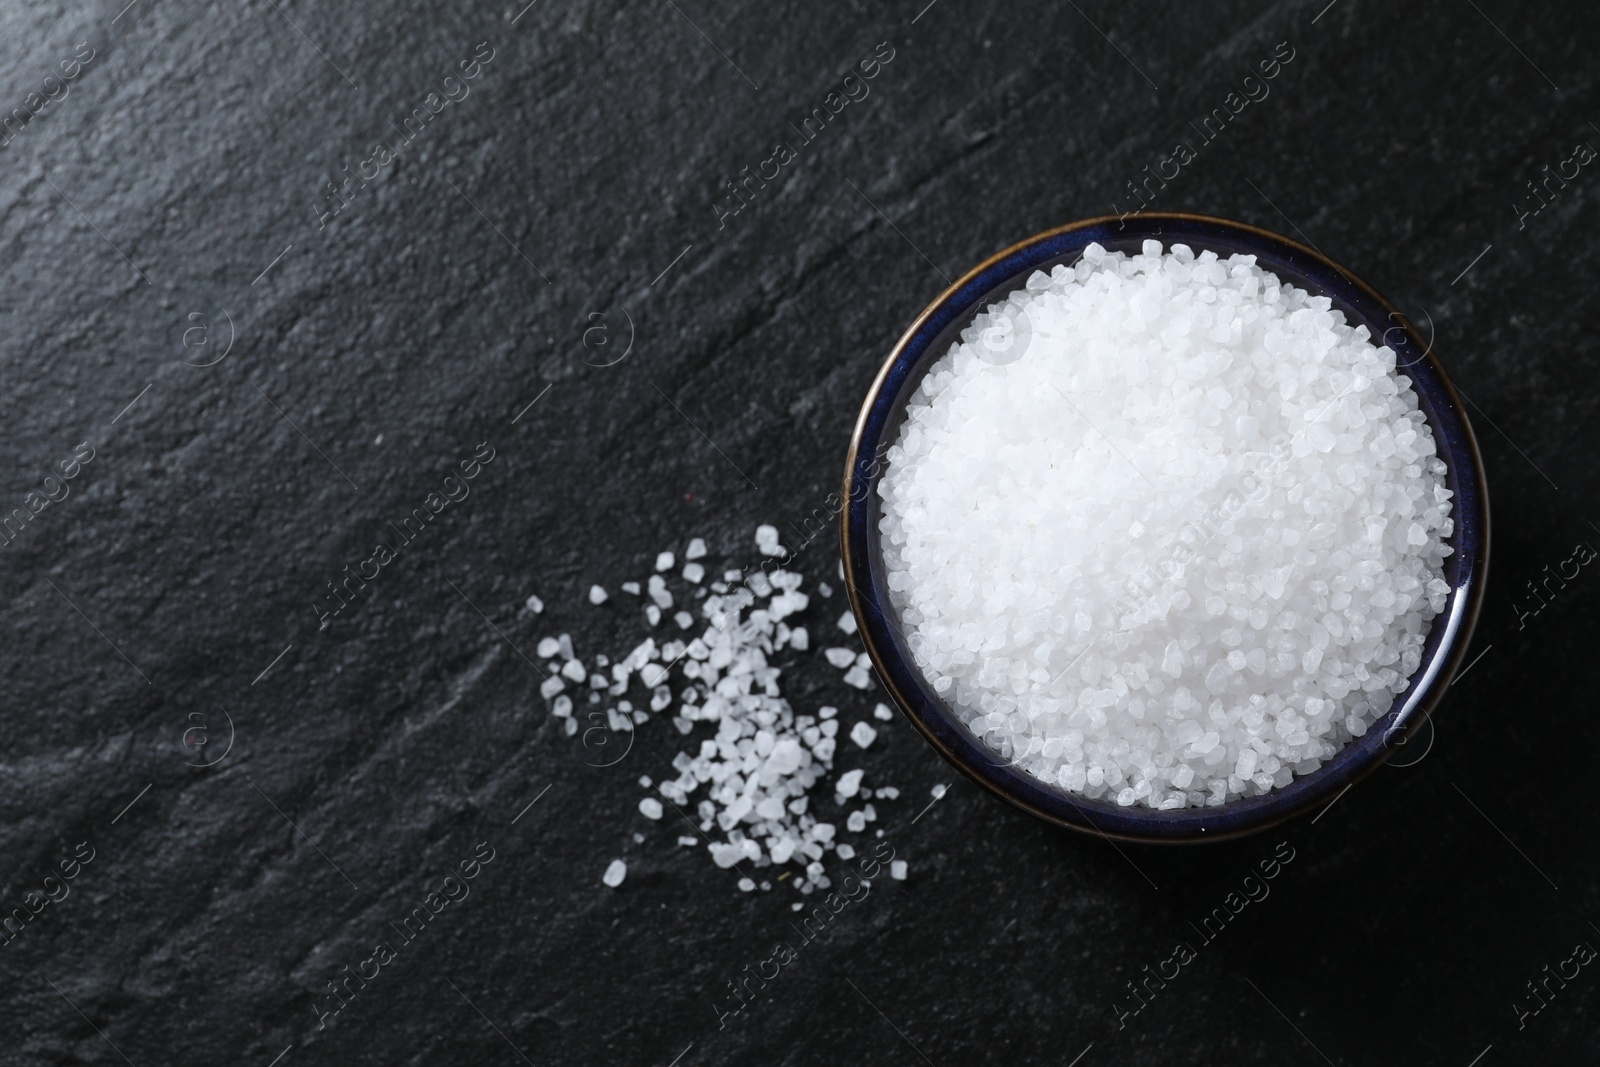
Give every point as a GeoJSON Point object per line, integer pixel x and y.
{"type": "Point", "coordinates": [163, 211]}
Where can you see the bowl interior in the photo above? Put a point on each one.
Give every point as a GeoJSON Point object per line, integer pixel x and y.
{"type": "Point", "coordinates": [931, 336]}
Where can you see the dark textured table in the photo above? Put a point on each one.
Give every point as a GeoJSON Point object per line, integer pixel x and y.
{"type": "Point", "coordinates": [275, 269]}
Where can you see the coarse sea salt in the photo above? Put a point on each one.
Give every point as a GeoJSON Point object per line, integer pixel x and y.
{"type": "Point", "coordinates": [745, 781]}
{"type": "Point", "coordinates": [1164, 529]}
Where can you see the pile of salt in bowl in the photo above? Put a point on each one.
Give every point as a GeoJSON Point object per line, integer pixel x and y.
{"type": "Point", "coordinates": [1165, 530]}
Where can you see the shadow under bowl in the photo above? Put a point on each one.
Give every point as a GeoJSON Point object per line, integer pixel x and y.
{"type": "Point", "coordinates": [931, 336]}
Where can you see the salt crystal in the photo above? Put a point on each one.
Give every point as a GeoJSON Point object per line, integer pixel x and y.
{"type": "Point", "coordinates": [615, 873]}
{"type": "Point", "coordinates": [897, 870]}
{"type": "Point", "coordinates": [767, 540]}
{"type": "Point", "coordinates": [597, 595]}
{"type": "Point", "coordinates": [882, 712]}
{"type": "Point", "coordinates": [535, 605]}
{"type": "Point", "coordinates": [862, 734]}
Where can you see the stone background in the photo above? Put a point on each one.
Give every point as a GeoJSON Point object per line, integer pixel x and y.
{"type": "Point", "coordinates": [164, 214]}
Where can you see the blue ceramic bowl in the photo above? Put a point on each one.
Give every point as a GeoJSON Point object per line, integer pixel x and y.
{"type": "Point", "coordinates": [931, 336]}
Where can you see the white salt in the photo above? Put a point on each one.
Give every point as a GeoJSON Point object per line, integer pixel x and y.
{"type": "Point", "coordinates": [750, 759]}
{"type": "Point", "coordinates": [615, 873]}
{"type": "Point", "coordinates": [535, 605]}
{"type": "Point", "coordinates": [862, 734]}
{"type": "Point", "coordinates": [1154, 512]}
{"type": "Point", "coordinates": [597, 595]}
{"type": "Point", "coordinates": [767, 540]}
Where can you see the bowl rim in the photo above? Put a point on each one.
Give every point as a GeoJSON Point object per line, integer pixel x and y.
{"type": "Point", "coordinates": [1194, 825]}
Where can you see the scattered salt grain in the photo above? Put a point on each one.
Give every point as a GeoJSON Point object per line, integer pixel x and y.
{"type": "Point", "coordinates": [597, 595]}
{"type": "Point", "coordinates": [615, 873]}
{"type": "Point", "coordinates": [696, 549]}
{"type": "Point", "coordinates": [1165, 530]}
{"type": "Point", "coordinates": [664, 561]}
{"type": "Point", "coordinates": [693, 572]}
{"type": "Point", "coordinates": [749, 759]}
{"type": "Point", "coordinates": [535, 605]}
{"type": "Point", "coordinates": [897, 870]}
{"type": "Point", "coordinates": [882, 712]}
{"type": "Point", "coordinates": [862, 734]}
{"type": "Point", "coordinates": [631, 587]}
{"type": "Point", "coordinates": [767, 540]}
{"type": "Point", "coordinates": [847, 622]}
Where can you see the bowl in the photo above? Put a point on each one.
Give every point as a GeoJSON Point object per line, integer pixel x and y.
{"type": "Point", "coordinates": [931, 336]}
